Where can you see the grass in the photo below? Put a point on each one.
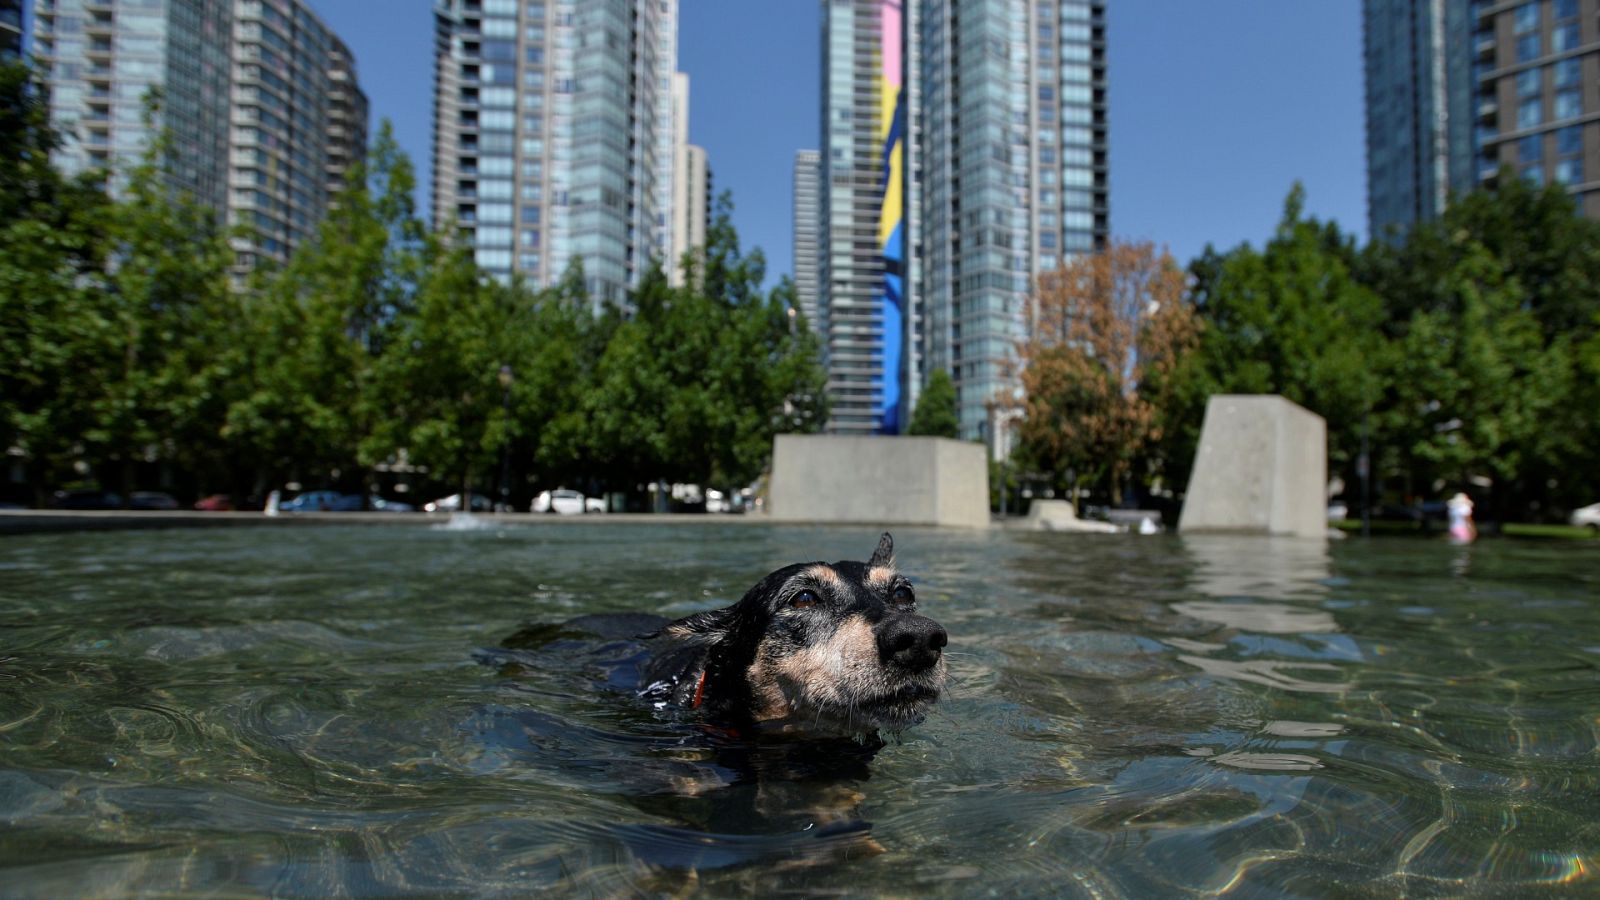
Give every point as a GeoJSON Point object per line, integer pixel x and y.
{"type": "Point", "coordinates": [1510, 529]}
{"type": "Point", "coordinates": [1565, 532]}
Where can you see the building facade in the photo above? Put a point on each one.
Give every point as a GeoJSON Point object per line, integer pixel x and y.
{"type": "Point", "coordinates": [691, 188]}
{"type": "Point", "coordinates": [1002, 174]}
{"type": "Point", "coordinates": [1538, 92]}
{"type": "Point", "coordinates": [1455, 89]}
{"type": "Point", "coordinates": [807, 178]}
{"type": "Point", "coordinates": [11, 29]}
{"type": "Point", "coordinates": [247, 88]}
{"type": "Point", "coordinates": [553, 136]}
{"type": "Point", "coordinates": [865, 221]}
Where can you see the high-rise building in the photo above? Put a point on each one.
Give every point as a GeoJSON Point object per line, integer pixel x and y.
{"type": "Point", "coordinates": [1420, 109]}
{"type": "Point", "coordinates": [1455, 89]}
{"type": "Point", "coordinates": [1539, 67]}
{"type": "Point", "coordinates": [807, 175]}
{"type": "Point", "coordinates": [295, 110]}
{"type": "Point", "coordinates": [10, 29]}
{"type": "Point", "coordinates": [999, 174]}
{"type": "Point", "coordinates": [691, 187]}
{"type": "Point", "coordinates": [1015, 175]}
{"type": "Point", "coordinates": [247, 89]}
{"type": "Point", "coordinates": [553, 136]}
{"type": "Point", "coordinates": [347, 118]}
{"type": "Point", "coordinates": [861, 272]}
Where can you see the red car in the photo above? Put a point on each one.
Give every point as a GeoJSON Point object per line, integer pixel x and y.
{"type": "Point", "coordinates": [214, 503]}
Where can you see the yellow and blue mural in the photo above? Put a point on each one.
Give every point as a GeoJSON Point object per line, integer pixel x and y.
{"type": "Point", "coordinates": [891, 214]}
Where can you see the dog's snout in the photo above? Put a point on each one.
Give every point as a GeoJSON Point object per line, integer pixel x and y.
{"type": "Point", "coordinates": [912, 642]}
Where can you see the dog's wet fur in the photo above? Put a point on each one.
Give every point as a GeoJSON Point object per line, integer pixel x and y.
{"type": "Point", "coordinates": [824, 649]}
{"type": "Point", "coordinates": [779, 701]}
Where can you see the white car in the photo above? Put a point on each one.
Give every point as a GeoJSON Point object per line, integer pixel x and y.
{"type": "Point", "coordinates": [565, 502]}
{"type": "Point", "coordinates": [1587, 516]}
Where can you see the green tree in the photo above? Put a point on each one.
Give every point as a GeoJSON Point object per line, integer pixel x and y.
{"type": "Point", "coordinates": [443, 385]}
{"type": "Point", "coordinates": [935, 414]}
{"type": "Point", "coordinates": [52, 244]}
{"type": "Point", "coordinates": [1472, 386]}
{"type": "Point", "coordinates": [1290, 319]}
{"type": "Point", "coordinates": [166, 301]}
{"type": "Point", "coordinates": [1448, 277]}
{"type": "Point", "coordinates": [317, 326]}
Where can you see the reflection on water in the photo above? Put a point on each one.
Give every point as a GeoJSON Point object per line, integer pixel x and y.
{"type": "Point", "coordinates": [324, 711]}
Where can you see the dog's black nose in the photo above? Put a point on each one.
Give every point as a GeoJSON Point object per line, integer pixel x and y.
{"type": "Point", "coordinates": [911, 642]}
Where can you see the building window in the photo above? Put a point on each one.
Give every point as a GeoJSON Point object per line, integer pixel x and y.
{"type": "Point", "coordinates": [1528, 47]}
{"type": "Point", "coordinates": [1534, 174]}
{"type": "Point", "coordinates": [1569, 140]}
{"type": "Point", "coordinates": [1568, 103]}
{"type": "Point", "coordinates": [1564, 9]}
{"type": "Point", "coordinates": [1569, 171]}
{"type": "Point", "coordinates": [1529, 113]}
{"type": "Point", "coordinates": [1564, 38]}
{"type": "Point", "coordinates": [1527, 18]}
{"type": "Point", "coordinates": [1566, 72]}
{"type": "Point", "coordinates": [530, 215]}
{"type": "Point", "coordinates": [1531, 148]}
{"type": "Point", "coordinates": [529, 261]}
{"type": "Point", "coordinates": [1528, 83]}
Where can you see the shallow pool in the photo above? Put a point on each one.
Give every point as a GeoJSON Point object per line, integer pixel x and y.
{"type": "Point", "coordinates": [311, 710]}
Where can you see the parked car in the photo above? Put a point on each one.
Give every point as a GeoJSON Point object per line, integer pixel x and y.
{"type": "Point", "coordinates": [86, 499]}
{"type": "Point", "coordinates": [214, 503]}
{"type": "Point", "coordinates": [378, 504]}
{"type": "Point", "coordinates": [561, 501]}
{"type": "Point", "coordinates": [322, 501]}
{"type": "Point", "coordinates": [152, 500]}
{"type": "Point", "coordinates": [452, 503]}
{"type": "Point", "coordinates": [1587, 516]}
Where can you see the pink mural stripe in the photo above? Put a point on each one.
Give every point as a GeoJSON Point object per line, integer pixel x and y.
{"type": "Point", "coordinates": [891, 42]}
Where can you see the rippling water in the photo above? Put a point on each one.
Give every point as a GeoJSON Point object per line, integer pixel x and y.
{"type": "Point", "coordinates": [311, 711]}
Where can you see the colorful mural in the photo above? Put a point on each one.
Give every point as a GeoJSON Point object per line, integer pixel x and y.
{"type": "Point", "coordinates": [891, 214]}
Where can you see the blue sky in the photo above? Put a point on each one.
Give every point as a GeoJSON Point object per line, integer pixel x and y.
{"type": "Point", "coordinates": [1217, 108]}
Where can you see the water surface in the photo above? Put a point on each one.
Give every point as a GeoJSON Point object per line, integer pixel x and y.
{"type": "Point", "coordinates": [312, 710]}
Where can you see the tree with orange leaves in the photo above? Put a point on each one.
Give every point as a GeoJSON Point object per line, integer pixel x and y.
{"type": "Point", "coordinates": [1103, 331]}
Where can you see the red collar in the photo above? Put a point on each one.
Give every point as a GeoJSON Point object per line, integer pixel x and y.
{"type": "Point", "coordinates": [699, 691]}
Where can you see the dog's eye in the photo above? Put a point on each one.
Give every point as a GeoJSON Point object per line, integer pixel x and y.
{"type": "Point", "coordinates": [903, 596]}
{"type": "Point", "coordinates": [804, 600]}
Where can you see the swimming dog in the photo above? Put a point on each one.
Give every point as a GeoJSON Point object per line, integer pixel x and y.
{"type": "Point", "coordinates": [816, 649]}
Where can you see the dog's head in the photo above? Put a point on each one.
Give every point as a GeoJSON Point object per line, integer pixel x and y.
{"type": "Point", "coordinates": [830, 648]}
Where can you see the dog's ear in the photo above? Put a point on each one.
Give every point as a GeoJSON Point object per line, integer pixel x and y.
{"type": "Point", "coordinates": [884, 555]}
{"type": "Point", "coordinates": [707, 627]}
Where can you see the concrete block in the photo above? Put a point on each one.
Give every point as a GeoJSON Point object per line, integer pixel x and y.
{"type": "Point", "coordinates": [1058, 515]}
{"type": "Point", "coordinates": [1262, 467]}
{"type": "Point", "coordinates": [879, 480]}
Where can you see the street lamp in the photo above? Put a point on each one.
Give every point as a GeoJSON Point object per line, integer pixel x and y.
{"type": "Point", "coordinates": [505, 439]}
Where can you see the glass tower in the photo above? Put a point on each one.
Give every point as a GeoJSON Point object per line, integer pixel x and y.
{"type": "Point", "coordinates": [247, 89]}
{"type": "Point", "coordinates": [865, 315]}
{"type": "Point", "coordinates": [807, 173]}
{"type": "Point", "coordinates": [1457, 88]}
{"type": "Point", "coordinates": [553, 136]}
{"type": "Point", "coordinates": [941, 200]}
{"type": "Point", "coordinates": [10, 29]}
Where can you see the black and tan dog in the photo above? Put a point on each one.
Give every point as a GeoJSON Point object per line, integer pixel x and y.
{"type": "Point", "coordinates": [814, 648]}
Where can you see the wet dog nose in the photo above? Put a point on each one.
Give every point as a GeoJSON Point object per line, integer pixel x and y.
{"type": "Point", "coordinates": [911, 642]}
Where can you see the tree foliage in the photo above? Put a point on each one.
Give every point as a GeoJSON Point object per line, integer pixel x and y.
{"type": "Point", "coordinates": [1100, 329]}
{"type": "Point", "coordinates": [1293, 319]}
{"type": "Point", "coordinates": [128, 349]}
{"type": "Point", "coordinates": [936, 414]}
